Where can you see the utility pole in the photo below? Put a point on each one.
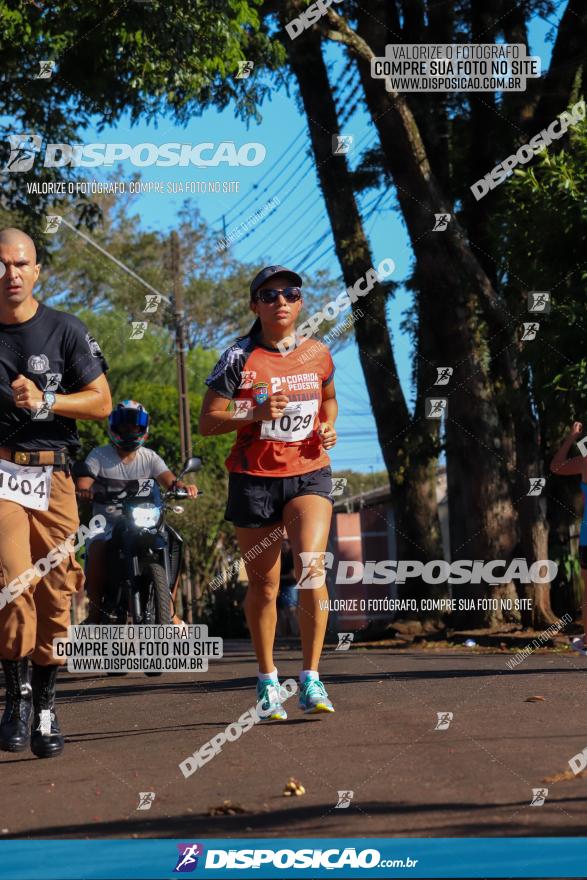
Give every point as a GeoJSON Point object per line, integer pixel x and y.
{"type": "Point", "coordinates": [181, 350]}
{"type": "Point", "coordinates": [185, 437]}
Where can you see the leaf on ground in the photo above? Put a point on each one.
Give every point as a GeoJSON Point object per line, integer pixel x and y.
{"type": "Point", "coordinates": [226, 808]}
{"type": "Point", "coordinates": [534, 700]}
{"type": "Point", "coordinates": [564, 776]}
{"type": "Point", "coordinates": [293, 788]}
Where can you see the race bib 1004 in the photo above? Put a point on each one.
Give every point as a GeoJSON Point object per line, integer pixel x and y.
{"type": "Point", "coordinates": [28, 486]}
{"type": "Point", "coordinates": [296, 422]}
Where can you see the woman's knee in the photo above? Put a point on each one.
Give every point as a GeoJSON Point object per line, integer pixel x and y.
{"type": "Point", "coordinates": [262, 590]}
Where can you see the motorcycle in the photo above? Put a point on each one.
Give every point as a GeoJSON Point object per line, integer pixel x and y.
{"type": "Point", "coordinates": [145, 553]}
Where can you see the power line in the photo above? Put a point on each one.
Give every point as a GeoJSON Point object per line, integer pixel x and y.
{"type": "Point", "coordinates": [285, 197]}
{"type": "Point", "coordinates": [303, 210]}
{"type": "Point", "coordinates": [272, 184]}
{"type": "Point", "coordinates": [290, 226]}
{"type": "Point", "coordinates": [245, 196]}
{"type": "Point", "coordinates": [309, 249]}
{"type": "Point", "coordinates": [309, 195]}
{"type": "Point", "coordinates": [331, 247]}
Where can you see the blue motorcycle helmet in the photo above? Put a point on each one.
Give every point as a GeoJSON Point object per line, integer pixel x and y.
{"type": "Point", "coordinates": [128, 425]}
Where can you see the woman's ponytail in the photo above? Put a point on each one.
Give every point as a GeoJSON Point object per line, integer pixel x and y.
{"type": "Point", "coordinates": [255, 327]}
{"type": "Point", "coordinates": [253, 330]}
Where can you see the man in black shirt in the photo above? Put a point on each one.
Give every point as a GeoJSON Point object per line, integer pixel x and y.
{"type": "Point", "coordinates": [51, 373]}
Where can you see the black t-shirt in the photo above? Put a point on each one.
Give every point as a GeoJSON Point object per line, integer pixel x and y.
{"type": "Point", "coordinates": [56, 351]}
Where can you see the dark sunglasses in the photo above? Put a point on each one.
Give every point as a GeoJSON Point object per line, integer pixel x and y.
{"type": "Point", "coordinates": [290, 294]}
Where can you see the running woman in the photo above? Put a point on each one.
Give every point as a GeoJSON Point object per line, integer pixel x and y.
{"type": "Point", "coordinates": [283, 413]}
{"type": "Point", "coordinates": [564, 467]}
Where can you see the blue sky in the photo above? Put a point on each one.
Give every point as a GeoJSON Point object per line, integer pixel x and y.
{"type": "Point", "coordinates": [297, 228]}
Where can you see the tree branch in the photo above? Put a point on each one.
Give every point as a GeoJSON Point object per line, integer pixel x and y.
{"type": "Point", "coordinates": [568, 55]}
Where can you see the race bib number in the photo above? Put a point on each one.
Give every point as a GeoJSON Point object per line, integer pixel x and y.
{"type": "Point", "coordinates": [27, 486]}
{"type": "Point", "coordinates": [296, 422]}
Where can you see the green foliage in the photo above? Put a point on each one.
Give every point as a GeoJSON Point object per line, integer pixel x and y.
{"type": "Point", "coordinates": [358, 482]}
{"type": "Point", "coordinates": [139, 57]}
{"type": "Point", "coordinates": [542, 237]}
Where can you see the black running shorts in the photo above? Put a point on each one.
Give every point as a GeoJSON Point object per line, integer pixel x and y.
{"type": "Point", "coordinates": [254, 502]}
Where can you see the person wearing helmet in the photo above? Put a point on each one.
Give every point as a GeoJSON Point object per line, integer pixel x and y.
{"type": "Point", "coordinates": [125, 458]}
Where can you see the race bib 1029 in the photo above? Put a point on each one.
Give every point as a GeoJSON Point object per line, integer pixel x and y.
{"type": "Point", "coordinates": [28, 486]}
{"type": "Point", "coordinates": [296, 422]}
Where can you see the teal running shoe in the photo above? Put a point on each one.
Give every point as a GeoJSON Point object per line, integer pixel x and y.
{"type": "Point", "coordinates": [313, 697]}
{"type": "Point", "coordinates": [270, 708]}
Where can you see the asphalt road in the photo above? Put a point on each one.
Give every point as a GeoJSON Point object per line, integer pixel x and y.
{"type": "Point", "coordinates": [128, 735]}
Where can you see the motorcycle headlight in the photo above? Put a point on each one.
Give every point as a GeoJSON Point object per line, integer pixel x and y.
{"type": "Point", "coordinates": [145, 516]}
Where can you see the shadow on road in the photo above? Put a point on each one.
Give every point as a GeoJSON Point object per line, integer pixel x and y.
{"type": "Point", "coordinates": [302, 821]}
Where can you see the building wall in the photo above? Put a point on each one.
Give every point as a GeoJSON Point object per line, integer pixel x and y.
{"type": "Point", "coordinates": [364, 536]}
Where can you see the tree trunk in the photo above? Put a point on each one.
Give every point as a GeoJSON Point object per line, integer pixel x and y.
{"type": "Point", "coordinates": [412, 474]}
{"type": "Point", "coordinates": [483, 522]}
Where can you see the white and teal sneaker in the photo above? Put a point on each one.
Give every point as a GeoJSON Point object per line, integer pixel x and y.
{"type": "Point", "coordinates": [270, 708]}
{"type": "Point", "coordinates": [313, 697]}
{"type": "Point", "coordinates": [578, 644]}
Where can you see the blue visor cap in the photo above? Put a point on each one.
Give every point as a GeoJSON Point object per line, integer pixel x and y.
{"type": "Point", "coordinates": [129, 422]}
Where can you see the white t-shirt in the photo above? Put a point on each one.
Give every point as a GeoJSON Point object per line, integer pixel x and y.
{"type": "Point", "coordinates": [105, 462]}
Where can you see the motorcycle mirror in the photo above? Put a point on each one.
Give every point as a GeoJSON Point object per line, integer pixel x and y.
{"type": "Point", "coordinates": [192, 465]}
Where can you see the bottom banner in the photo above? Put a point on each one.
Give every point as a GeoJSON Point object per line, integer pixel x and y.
{"type": "Point", "coordinates": [552, 857]}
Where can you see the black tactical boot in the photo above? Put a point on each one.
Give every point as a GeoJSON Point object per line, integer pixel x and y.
{"type": "Point", "coordinates": [46, 738]}
{"type": "Point", "coordinates": [16, 721]}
